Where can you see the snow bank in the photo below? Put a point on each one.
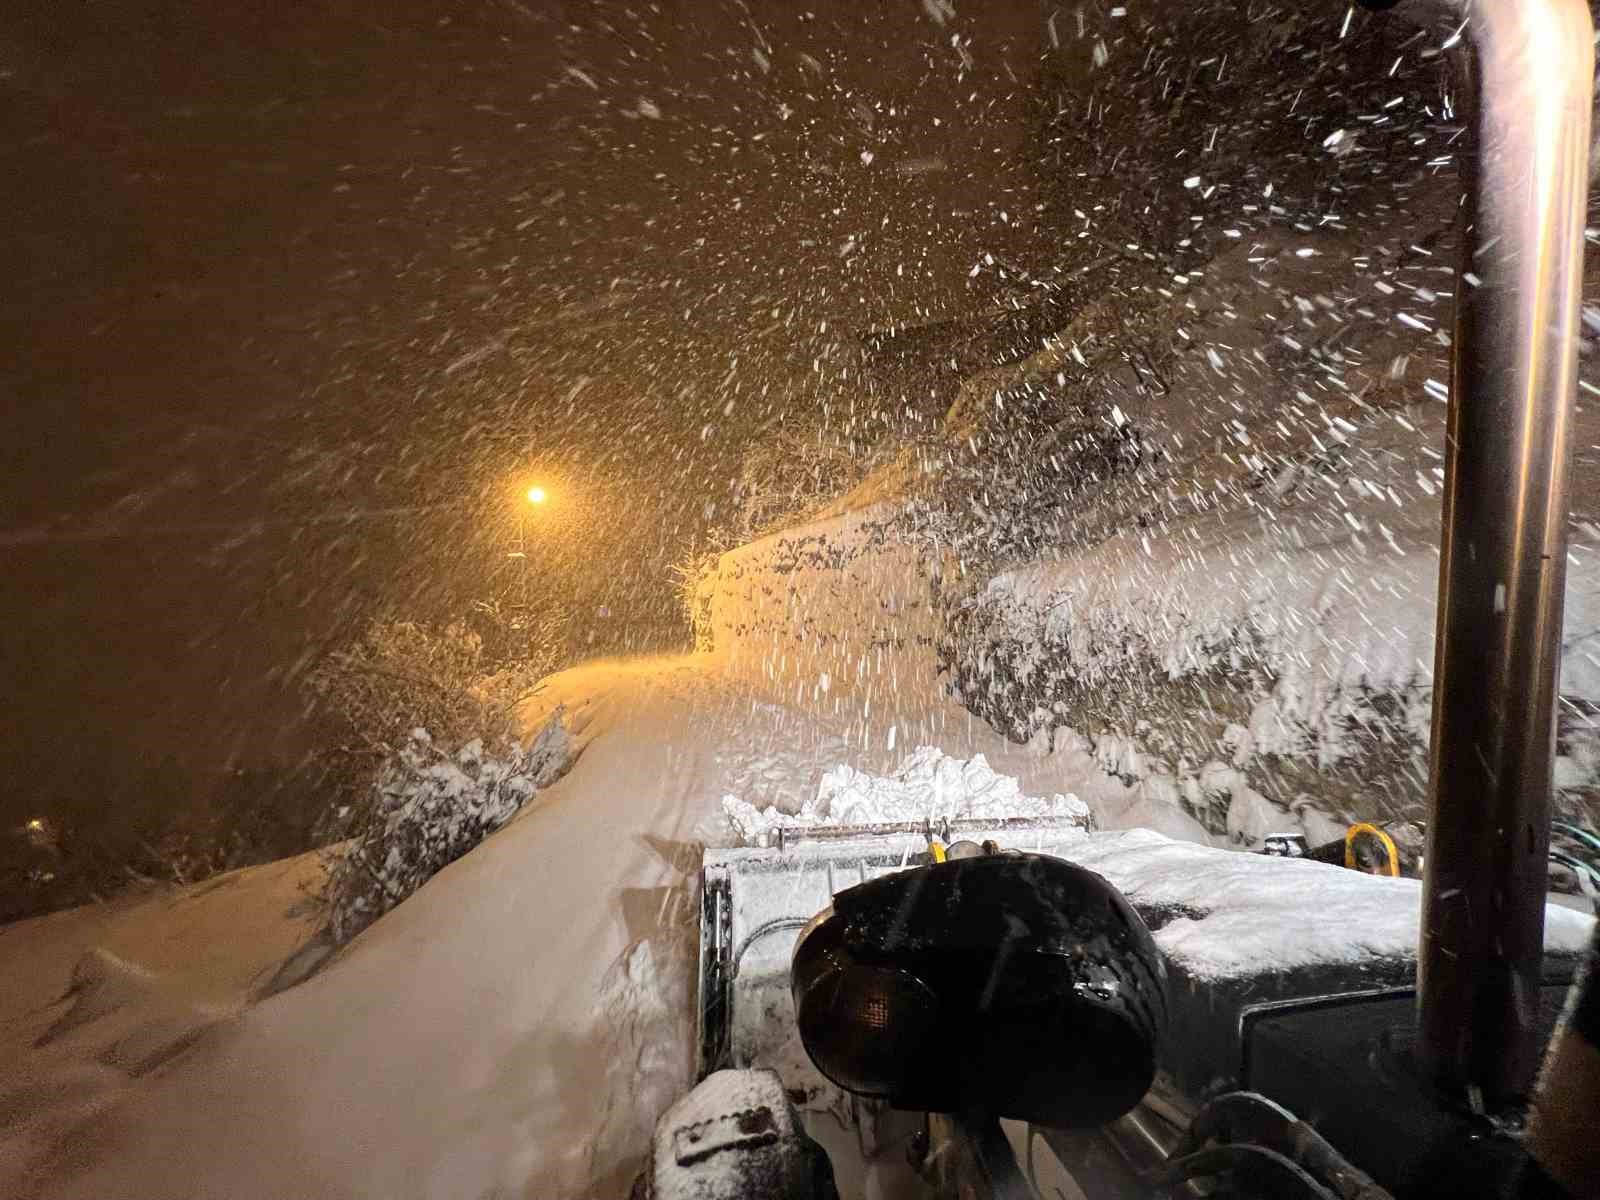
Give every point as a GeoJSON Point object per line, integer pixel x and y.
{"type": "Point", "coordinates": [929, 785]}
{"type": "Point", "coordinates": [836, 614]}
{"type": "Point", "coordinates": [1134, 609]}
{"type": "Point", "coordinates": [1311, 591]}
{"type": "Point", "coordinates": [93, 1000]}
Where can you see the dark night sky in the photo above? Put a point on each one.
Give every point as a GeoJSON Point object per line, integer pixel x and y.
{"type": "Point", "coordinates": [280, 271]}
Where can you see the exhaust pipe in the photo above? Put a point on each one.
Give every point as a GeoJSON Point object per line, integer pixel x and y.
{"type": "Point", "coordinates": [1528, 90]}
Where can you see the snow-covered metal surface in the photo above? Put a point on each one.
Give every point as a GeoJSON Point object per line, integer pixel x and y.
{"type": "Point", "coordinates": [758, 899]}
{"type": "Point", "coordinates": [768, 895]}
{"type": "Point", "coordinates": [1233, 915]}
{"type": "Point", "coordinates": [734, 1136]}
{"type": "Point", "coordinates": [859, 826]}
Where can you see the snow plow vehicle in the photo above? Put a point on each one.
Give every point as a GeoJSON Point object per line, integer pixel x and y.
{"type": "Point", "coordinates": [1025, 1009]}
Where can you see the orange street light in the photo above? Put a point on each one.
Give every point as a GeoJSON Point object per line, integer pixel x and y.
{"type": "Point", "coordinates": [536, 496]}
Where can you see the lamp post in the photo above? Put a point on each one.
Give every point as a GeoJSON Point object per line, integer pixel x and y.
{"type": "Point", "coordinates": [535, 497]}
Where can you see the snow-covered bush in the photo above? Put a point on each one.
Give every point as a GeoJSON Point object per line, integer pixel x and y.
{"type": "Point", "coordinates": [429, 807]}
{"type": "Point", "coordinates": [404, 675]}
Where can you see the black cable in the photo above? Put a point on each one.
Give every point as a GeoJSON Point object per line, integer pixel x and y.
{"type": "Point", "coordinates": [1250, 1119]}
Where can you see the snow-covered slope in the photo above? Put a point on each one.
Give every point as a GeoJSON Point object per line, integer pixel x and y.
{"type": "Point", "coordinates": [93, 1001]}
{"type": "Point", "coordinates": [840, 615]}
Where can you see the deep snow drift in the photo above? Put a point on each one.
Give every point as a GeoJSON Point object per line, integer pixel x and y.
{"type": "Point", "coordinates": [93, 1001]}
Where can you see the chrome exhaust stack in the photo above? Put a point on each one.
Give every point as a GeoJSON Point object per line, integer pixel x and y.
{"type": "Point", "coordinates": [1527, 90]}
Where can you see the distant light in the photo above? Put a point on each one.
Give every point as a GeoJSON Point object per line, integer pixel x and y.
{"type": "Point", "coordinates": [35, 826]}
{"type": "Point", "coordinates": [536, 495]}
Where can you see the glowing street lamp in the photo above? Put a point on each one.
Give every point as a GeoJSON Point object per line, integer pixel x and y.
{"type": "Point", "coordinates": [536, 496]}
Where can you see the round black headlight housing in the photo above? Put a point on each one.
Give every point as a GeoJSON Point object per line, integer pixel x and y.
{"type": "Point", "coordinates": [1014, 984]}
{"type": "Point", "coordinates": [864, 1025]}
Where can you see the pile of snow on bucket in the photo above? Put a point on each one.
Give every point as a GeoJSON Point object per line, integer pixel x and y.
{"type": "Point", "coordinates": [928, 786]}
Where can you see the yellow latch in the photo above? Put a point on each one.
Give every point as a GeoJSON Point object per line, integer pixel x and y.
{"type": "Point", "coordinates": [1392, 864]}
